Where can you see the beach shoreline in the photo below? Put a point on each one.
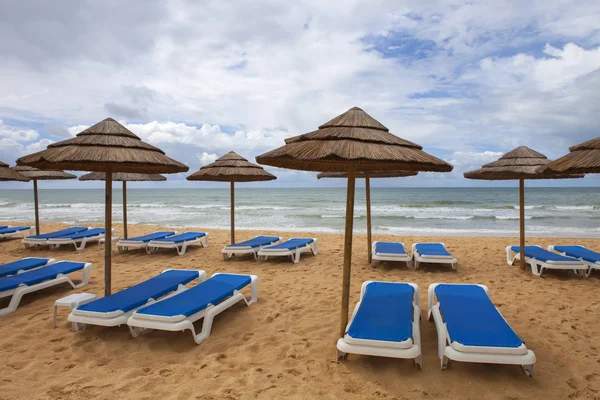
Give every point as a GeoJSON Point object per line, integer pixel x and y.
{"type": "Point", "coordinates": [284, 346]}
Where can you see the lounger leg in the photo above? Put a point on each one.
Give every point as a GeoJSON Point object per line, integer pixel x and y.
{"type": "Point", "coordinates": [183, 249]}
{"type": "Point", "coordinates": [341, 355]}
{"type": "Point", "coordinates": [418, 362]}
{"type": "Point", "coordinates": [54, 317]}
{"type": "Point", "coordinates": [444, 362]}
{"type": "Point", "coordinates": [528, 369]}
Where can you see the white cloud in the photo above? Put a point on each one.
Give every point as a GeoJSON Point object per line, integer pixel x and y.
{"type": "Point", "coordinates": [466, 159]}
{"type": "Point", "coordinates": [25, 135]}
{"type": "Point", "coordinates": [206, 158]}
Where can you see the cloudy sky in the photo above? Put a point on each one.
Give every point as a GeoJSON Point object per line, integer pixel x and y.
{"type": "Point", "coordinates": [468, 80]}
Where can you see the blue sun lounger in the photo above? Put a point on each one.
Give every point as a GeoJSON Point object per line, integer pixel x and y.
{"type": "Point", "coordinates": [141, 242]}
{"type": "Point", "coordinates": [293, 247]}
{"type": "Point", "coordinates": [433, 253]}
{"type": "Point", "coordinates": [205, 300]}
{"type": "Point", "coordinates": [389, 251]}
{"type": "Point", "coordinates": [41, 240]}
{"type": "Point", "coordinates": [31, 281]}
{"type": "Point", "coordinates": [252, 246]}
{"type": "Point", "coordinates": [591, 258]}
{"type": "Point", "coordinates": [25, 264]}
{"type": "Point", "coordinates": [179, 242]}
{"type": "Point", "coordinates": [114, 310]}
{"type": "Point", "coordinates": [10, 231]}
{"type": "Point", "coordinates": [385, 322]}
{"type": "Point", "coordinates": [471, 329]}
{"type": "Point", "coordinates": [79, 239]}
{"type": "Point", "coordinates": [540, 259]}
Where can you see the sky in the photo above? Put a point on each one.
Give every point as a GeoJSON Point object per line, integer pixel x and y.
{"type": "Point", "coordinates": [467, 80]}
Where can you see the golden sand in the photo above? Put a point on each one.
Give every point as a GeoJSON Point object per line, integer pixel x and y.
{"type": "Point", "coordinates": [284, 346]}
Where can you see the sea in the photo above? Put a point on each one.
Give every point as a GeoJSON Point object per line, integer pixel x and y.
{"type": "Point", "coordinates": [573, 212]}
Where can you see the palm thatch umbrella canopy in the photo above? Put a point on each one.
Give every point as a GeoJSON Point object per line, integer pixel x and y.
{"type": "Point", "coordinates": [123, 177]}
{"type": "Point", "coordinates": [41, 175]}
{"type": "Point", "coordinates": [231, 168]}
{"type": "Point", "coordinates": [8, 174]}
{"type": "Point", "coordinates": [520, 164]}
{"type": "Point", "coordinates": [351, 142]}
{"type": "Point", "coordinates": [106, 147]}
{"type": "Point", "coordinates": [368, 176]}
{"type": "Point", "coordinates": [583, 158]}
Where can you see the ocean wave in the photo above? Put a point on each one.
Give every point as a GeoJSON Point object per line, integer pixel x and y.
{"type": "Point", "coordinates": [574, 207]}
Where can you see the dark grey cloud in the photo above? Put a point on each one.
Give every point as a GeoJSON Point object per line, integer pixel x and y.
{"type": "Point", "coordinates": [125, 111]}
{"type": "Point", "coordinates": [58, 131]}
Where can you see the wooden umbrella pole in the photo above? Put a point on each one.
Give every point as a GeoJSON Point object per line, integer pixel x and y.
{"type": "Point", "coordinates": [368, 193]}
{"type": "Point", "coordinates": [108, 232]}
{"type": "Point", "coordinates": [37, 209]}
{"type": "Point", "coordinates": [232, 190]}
{"type": "Point", "coordinates": [522, 222]}
{"type": "Point", "coordinates": [125, 209]}
{"type": "Point", "coordinates": [347, 250]}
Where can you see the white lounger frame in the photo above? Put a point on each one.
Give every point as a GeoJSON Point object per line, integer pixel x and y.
{"type": "Point", "coordinates": [81, 318]}
{"type": "Point", "coordinates": [230, 251]}
{"type": "Point", "coordinates": [389, 256]}
{"type": "Point", "coordinates": [17, 233]}
{"type": "Point", "coordinates": [313, 248]}
{"type": "Point", "coordinates": [538, 267]}
{"type": "Point", "coordinates": [448, 350]}
{"type": "Point", "coordinates": [55, 243]}
{"type": "Point", "coordinates": [126, 244]}
{"type": "Point", "coordinates": [591, 265]}
{"type": "Point", "coordinates": [181, 248]}
{"type": "Point", "coordinates": [419, 258]}
{"type": "Point", "coordinates": [18, 293]}
{"type": "Point", "coordinates": [409, 349]}
{"type": "Point", "coordinates": [142, 323]}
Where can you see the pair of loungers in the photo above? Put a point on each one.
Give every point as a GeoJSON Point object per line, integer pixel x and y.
{"type": "Point", "coordinates": [435, 253]}
{"type": "Point", "coordinates": [78, 236]}
{"type": "Point", "coordinates": [164, 302]}
{"type": "Point", "coordinates": [164, 240]}
{"type": "Point", "coordinates": [32, 274]}
{"type": "Point", "coordinates": [571, 258]}
{"type": "Point", "coordinates": [386, 323]}
{"type": "Point", "coordinates": [270, 246]}
{"type": "Point", "coordinates": [9, 232]}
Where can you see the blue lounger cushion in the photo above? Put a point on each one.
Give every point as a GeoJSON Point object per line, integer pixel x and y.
{"type": "Point", "coordinates": [138, 295]}
{"type": "Point", "coordinates": [432, 249]}
{"type": "Point", "coordinates": [542, 254]}
{"type": "Point", "coordinates": [389, 248]}
{"type": "Point", "coordinates": [212, 291]}
{"type": "Point", "coordinates": [291, 244]}
{"type": "Point", "coordinates": [385, 313]}
{"type": "Point", "coordinates": [22, 265]}
{"type": "Point", "coordinates": [151, 236]}
{"type": "Point", "coordinates": [40, 275]}
{"type": "Point", "coordinates": [472, 319]}
{"type": "Point", "coordinates": [183, 237]}
{"type": "Point", "coordinates": [579, 252]}
{"type": "Point", "coordinates": [3, 226]}
{"type": "Point", "coordinates": [63, 232]}
{"type": "Point", "coordinates": [14, 229]}
{"type": "Point", "coordinates": [82, 235]}
{"type": "Point", "coordinates": [258, 241]}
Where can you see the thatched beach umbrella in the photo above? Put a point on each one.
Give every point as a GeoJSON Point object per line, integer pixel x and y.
{"type": "Point", "coordinates": [41, 175]}
{"type": "Point", "coordinates": [105, 147]}
{"type": "Point", "coordinates": [351, 142]}
{"type": "Point", "coordinates": [520, 164]}
{"type": "Point", "coordinates": [368, 176]}
{"type": "Point", "coordinates": [8, 174]}
{"type": "Point", "coordinates": [231, 168]}
{"type": "Point", "coordinates": [583, 158]}
{"type": "Point", "coordinates": [123, 177]}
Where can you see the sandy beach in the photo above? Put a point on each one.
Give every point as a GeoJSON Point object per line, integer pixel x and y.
{"type": "Point", "coordinates": [284, 346]}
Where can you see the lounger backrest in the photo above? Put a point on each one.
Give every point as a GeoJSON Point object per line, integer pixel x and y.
{"type": "Point", "coordinates": [40, 275]}
{"type": "Point", "coordinates": [541, 254]}
{"type": "Point", "coordinates": [138, 295]}
{"type": "Point", "coordinates": [212, 291]}
{"type": "Point", "coordinates": [472, 319]}
{"type": "Point", "coordinates": [256, 242]}
{"type": "Point", "coordinates": [292, 244]}
{"type": "Point", "coordinates": [151, 236]}
{"type": "Point", "coordinates": [183, 237]}
{"type": "Point", "coordinates": [84, 234]}
{"type": "Point", "coordinates": [432, 249]}
{"type": "Point", "coordinates": [14, 229]}
{"type": "Point", "coordinates": [386, 312]}
{"type": "Point", "coordinates": [389, 248]}
{"type": "Point", "coordinates": [579, 252]}
{"type": "Point", "coordinates": [22, 265]}
{"type": "Point", "coordinates": [63, 232]}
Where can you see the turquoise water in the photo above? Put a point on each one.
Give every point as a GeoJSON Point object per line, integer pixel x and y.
{"type": "Point", "coordinates": [415, 211]}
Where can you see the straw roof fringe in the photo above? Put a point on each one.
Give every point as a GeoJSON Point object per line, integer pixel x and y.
{"type": "Point", "coordinates": [231, 168]}
{"type": "Point", "coordinates": [123, 177]}
{"type": "Point", "coordinates": [7, 174]}
{"type": "Point", "coordinates": [352, 138]}
{"type": "Point", "coordinates": [522, 162]}
{"type": "Point", "coordinates": [377, 174]}
{"type": "Point", "coordinates": [43, 175]}
{"type": "Point", "coordinates": [583, 158]}
{"type": "Point", "coordinates": [104, 145]}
